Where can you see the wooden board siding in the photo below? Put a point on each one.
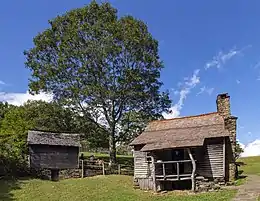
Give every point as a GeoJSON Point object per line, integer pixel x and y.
{"type": "Point", "coordinates": [53, 157]}
{"type": "Point", "coordinates": [212, 163]}
{"type": "Point", "coordinates": [146, 183]}
{"type": "Point", "coordinates": [141, 167]}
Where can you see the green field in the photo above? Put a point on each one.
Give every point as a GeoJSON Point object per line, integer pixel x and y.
{"type": "Point", "coordinates": [107, 188]}
{"type": "Point", "coordinates": [252, 165]}
{"type": "Point", "coordinates": [99, 188]}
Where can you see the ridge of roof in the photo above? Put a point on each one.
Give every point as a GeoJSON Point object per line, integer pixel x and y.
{"type": "Point", "coordinates": [185, 117]}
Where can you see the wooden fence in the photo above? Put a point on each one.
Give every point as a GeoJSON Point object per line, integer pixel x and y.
{"type": "Point", "coordinates": [99, 167]}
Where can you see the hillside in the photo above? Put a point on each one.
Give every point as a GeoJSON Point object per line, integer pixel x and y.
{"type": "Point", "coordinates": [252, 165]}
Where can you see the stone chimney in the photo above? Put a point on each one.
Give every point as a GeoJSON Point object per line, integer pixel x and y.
{"type": "Point", "coordinates": [223, 105]}
{"type": "Point", "coordinates": [223, 108]}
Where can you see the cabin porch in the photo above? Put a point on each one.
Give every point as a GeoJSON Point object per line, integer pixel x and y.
{"type": "Point", "coordinates": [182, 168]}
{"type": "Point", "coordinates": [171, 167]}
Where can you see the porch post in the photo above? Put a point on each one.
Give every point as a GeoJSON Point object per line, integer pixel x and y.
{"type": "Point", "coordinates": [154, 177]}
{"type": "Point", "coordinates": [193, 170]}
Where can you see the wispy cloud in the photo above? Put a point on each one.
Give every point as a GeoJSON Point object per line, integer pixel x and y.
{"type": "Point", "coordinates": [188, 84]}
{"type": "Point", "coordinates": [205, 89]}
{"type": "Point", "coordinates": [191, 82]}
{"type": "Point", "coordinates": [221, 58]}
{"type": "Point", "coordinates": [2, 82]}
{"type": "Point", "coordinates": [240, 127]}
{"type": "Point", "coordinates": [21, 98]}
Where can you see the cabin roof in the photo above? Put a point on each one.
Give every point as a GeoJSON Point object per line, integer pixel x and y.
{"type": "Point", "coordinates": [49, 138]}
{"type": "Point", "coordinates": [187, 131]}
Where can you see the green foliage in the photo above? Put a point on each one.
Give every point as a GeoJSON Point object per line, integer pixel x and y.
{"type": "Point", "coordinates": [108, 188]}
{"type": "Point", "coordinates": [238, 150]}
{"type": "Point", "coordinates": [40, 115]}
{"type": "Point", "coordinates": [14, 128]}
{"type": "Point", "coordinates": [107, 68]}
{"type": "Point", "coordinates": [4, 107]}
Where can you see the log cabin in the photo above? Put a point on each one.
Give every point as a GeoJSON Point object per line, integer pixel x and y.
{"type": "Point", "coordinates": [174, 152]}
{"type": "Point", "coordinates": [53, 151]}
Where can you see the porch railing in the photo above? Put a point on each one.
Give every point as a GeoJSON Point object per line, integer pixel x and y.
{"type": "Point", "coordinates": [172, 176]}
{"type": "Point", "coordinates": [177, 176]}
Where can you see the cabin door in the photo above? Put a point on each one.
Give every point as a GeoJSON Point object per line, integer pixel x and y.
{"type": "Point", "coordinates": [178, 154]}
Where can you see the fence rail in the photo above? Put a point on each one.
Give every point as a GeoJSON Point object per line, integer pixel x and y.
{"type": "Point", "coordinates": [92, 168]}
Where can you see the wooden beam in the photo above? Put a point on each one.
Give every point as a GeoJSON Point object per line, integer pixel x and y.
{"type": "Point", "coordinates": [174, 175]}
{"type": "Point", "coordinates": [184, 178]}
{"type": "Point", "coordinates": [224, 157]}
{"type": "Point", "coordinates": [178, 170]}
{"type": "Point", "coordinates": [119, 169]}
{"type": "Point", "coordinates": [82, 168]}
{"type": "Point", "coordinates": [154, 177]}
{"type": "Point", "coordinates": [163, 166]}
{"type": "Point", "coordinates": [54, 174]}
{"type": "Point", "coordinates": [103, 168]}
{"type": "Point", "coordinates": [193, 170]}
{"type": "Point", "coordinates": [165, 162]}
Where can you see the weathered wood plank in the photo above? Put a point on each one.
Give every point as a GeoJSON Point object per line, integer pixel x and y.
{"type": "Point", "coordinates": [193, 170]}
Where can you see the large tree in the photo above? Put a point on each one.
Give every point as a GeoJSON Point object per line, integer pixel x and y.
{"type": "Point", "coordinates": [103, 66]}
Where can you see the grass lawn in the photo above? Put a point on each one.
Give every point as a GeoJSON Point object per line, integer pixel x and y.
{"type": "Point", "coordinates": [252, 165]}
{"type": "Point", "coordinates": [99, 188]}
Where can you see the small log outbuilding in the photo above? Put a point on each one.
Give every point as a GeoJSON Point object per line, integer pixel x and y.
{"type": "Point", "coordinates": [53, 151]}
{"type": "Point", "coordinates": [187, 149]}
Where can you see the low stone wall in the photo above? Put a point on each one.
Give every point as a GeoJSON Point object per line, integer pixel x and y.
{"type": "Point", "coordinates": [205, 184]}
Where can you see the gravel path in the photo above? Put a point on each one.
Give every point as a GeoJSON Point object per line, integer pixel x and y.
{"type": "Point", "coordinates": [250, 191]}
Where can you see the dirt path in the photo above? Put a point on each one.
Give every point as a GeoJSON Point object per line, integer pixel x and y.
{"type": "Point", "coordinates": [250, 191]}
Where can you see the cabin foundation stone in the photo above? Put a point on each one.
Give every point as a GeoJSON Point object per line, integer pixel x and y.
{"type": "Point", "coordinates": [203, 185]}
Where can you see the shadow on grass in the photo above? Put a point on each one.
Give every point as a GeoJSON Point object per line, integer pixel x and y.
{"type": "Point", "coordinates": [241, 179]}
{"type": "Point", "coordinates": [6, 187]}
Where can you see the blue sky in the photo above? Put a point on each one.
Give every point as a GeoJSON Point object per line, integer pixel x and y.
{"type": "Point", "coordinates": [223, 35]}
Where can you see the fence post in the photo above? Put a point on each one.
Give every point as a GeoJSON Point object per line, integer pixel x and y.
{"type": "Point", "coordinates": [82, 168]}
{"type": "Point", "coordinates": [103, 168]}
{"type": "Point", "coordinates": [119, 169]}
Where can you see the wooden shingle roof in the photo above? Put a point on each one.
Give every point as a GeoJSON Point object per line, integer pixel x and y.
{"type": "Point", "coordinates": [181, 132]}
{"type": "Point", "coordinates": [48, 138]}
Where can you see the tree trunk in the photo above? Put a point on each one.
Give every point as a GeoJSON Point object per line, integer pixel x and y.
{"type": "Point", "coordinates": [112, 149]}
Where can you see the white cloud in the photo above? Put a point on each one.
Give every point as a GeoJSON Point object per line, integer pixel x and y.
{"type": "Point", "coordinates": [252, 149]}
{"type": "Point", "coordinates": [204, 89]}
{"type": "Point", "coordinates": [187, 86]}
{"type": "Point", "coordinates": [2, 82]}
{"type": "Point", "coordinates": [21, 98]}
{"type": "Point", "coordinates": [238, 81]}
{"type": "Point", "coordinates": [221, 58]}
